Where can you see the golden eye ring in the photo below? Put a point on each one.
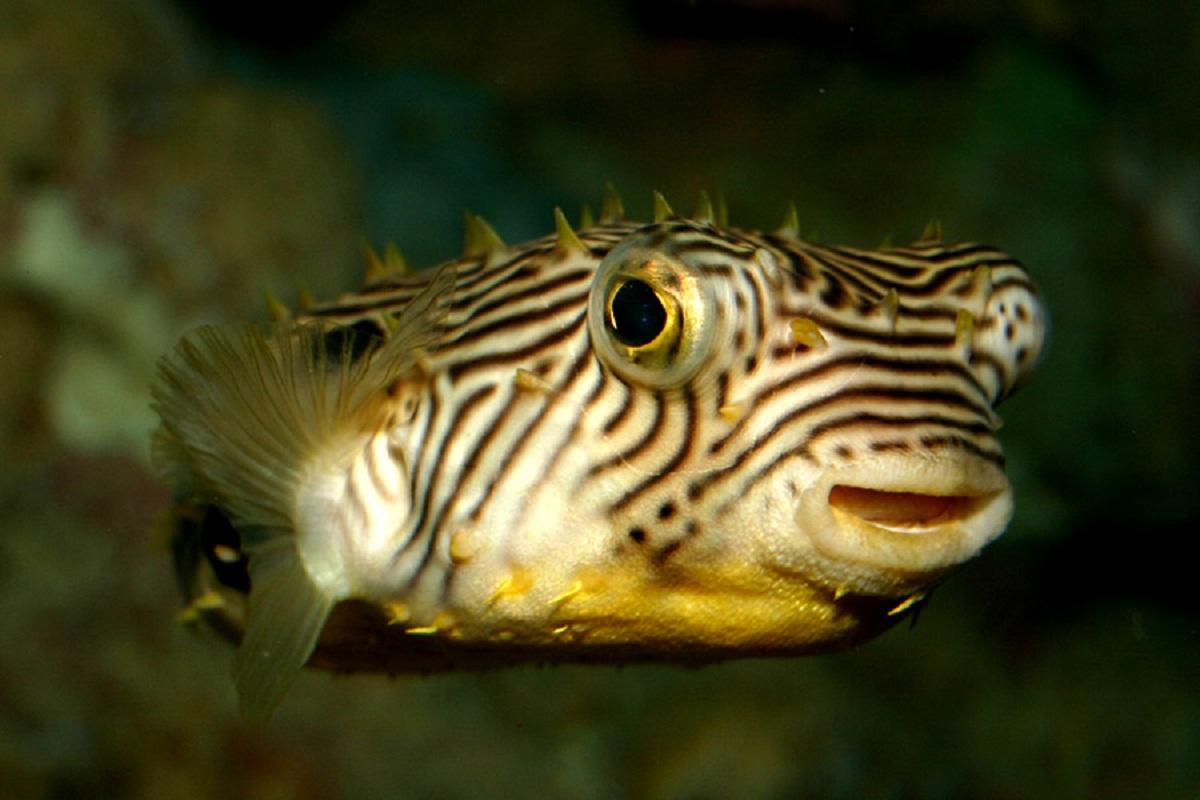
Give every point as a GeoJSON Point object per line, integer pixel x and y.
{"type": "Point", "coordinates": [651, 316]}
{"type": "Point", "coordinates": [644, 322]}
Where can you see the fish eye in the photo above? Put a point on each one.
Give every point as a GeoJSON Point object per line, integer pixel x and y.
{"type": "Point", "coordinates": [636, 315]}
{"type": "Point", "coordinates": [652, 317]}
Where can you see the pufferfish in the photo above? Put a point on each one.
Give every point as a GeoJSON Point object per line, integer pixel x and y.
{"type": "Point", "coordinates": [674, 441]}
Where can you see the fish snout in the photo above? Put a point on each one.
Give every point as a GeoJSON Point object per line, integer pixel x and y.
{"type": "Point", "coordinates": [893, 525]}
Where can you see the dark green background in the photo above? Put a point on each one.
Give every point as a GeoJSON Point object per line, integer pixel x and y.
{"type": "Point", "coordinates": [161, 164]}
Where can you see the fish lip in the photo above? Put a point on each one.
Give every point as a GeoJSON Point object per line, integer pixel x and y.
{"type": "Point", "coordinates": [907, 511]}
{"type": "Point", "coordinates": [946, 511]}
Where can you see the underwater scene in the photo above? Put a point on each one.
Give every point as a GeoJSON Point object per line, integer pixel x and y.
{"type": "Point", "coordinates": [172, 164]}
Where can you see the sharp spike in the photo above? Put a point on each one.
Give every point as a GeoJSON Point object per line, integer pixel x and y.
{"type": "Point", "coordinates": [304, 299]}
{"type": "Point", "coordinates": [481, 238]}
{"type": "Point", "coordinates": [398, 612]}
{"type": "Point", "coordinates": [704, 209]}
{"type": "Point", "coordinates": [722, 210]}
{"type": "Point", "coordinates": [422, 366]}
{"type": "Point", "coordinates": [530, 381]}
{"type": "Point", "coordinates": [807, 333]}
{"type": "Point", "coordinates": [890, 305]}
{"type": "Point", "coordinates": [586, 220]}
{"type": "Point", "coordinates": [275, 307]}
{"type": "Point", "coordinates": [208, 601]}
{"type": "Point", "coordinates": [187, 616]}
{"type": "Point", "coordinates": [443, 623]}
{"type": "Point", "coordinates": [964, 331]}
{"type": "Point", "coordinates": [769, 264]}
{"type": "Point", "coordinates": [907, 603]}
{"type": "Point", "coordinates": [732, 412]}
{"type": "Point", "coordinates": [932, 233]}
{"type": "Point", "coordinates": [374, 267]}
{"type": "Point", "coordinates": [662, 209]}
{"type": "Point", "coordinates": [983, 282]}
{"type": "Point", "coordinates": [567, 238]}
{"type": "Point", "coordinates": [790, 227]}
{"type": "Point", "coordinates": [572, 590]}
{"type": "Point", "coordinates": [515, 585]}
{"type": "Point", "coordinates": [393, 259]}
{"type": "Point", "coordinates": [390, 323]}
{"type": "Point", "coordinates": [464, 545]}
{"type": "Point", "coordinates": [613, 210]}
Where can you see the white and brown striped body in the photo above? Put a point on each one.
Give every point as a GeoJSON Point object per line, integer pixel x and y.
{"type": "Point", "coordinates": [816, 448]}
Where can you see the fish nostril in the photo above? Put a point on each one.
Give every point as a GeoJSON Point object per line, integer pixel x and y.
{"type": "Point", "coordinates": [905, 512]}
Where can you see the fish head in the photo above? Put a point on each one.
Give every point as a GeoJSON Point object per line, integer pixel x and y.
{"type": "Point", "coordinates": [749, 444]}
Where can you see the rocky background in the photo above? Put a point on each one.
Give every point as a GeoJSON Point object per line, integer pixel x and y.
{"type": "Point", "coordinates": [164, 163]}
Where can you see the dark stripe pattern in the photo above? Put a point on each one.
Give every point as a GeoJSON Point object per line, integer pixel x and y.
{"type": "Point", "coordinates": [519, 404]}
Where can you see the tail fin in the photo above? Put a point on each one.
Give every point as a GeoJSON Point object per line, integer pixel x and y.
{"type": "Point", "coordinates": [286, 615]}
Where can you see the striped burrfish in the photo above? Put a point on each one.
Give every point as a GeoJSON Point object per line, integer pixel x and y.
{"type": "Point", "coordinates": [674, 441]}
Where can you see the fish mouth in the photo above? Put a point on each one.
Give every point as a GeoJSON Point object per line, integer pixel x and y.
{"type": "Point", "coordinates": [904, 512]}
{"type": "Point", "coordinates": [894, 525]}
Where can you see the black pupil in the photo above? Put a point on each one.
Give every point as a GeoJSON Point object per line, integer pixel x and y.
{"type": "Point", "coordinates": [638, 315]}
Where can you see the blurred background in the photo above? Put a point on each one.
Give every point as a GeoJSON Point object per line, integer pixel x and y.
{"type": "Point", "coordinates": [162, 163]}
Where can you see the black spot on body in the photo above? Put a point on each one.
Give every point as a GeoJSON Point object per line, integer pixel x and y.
{"type": "Point", "coordinates": [667, 551]}
{"type": "Point", "coordinates": [222, 546]}
{"type": "Point", "coordinates": [637, 535]}
{"type": "Point", "coordinates": [666, 510]}
{"type": "Point", "coordinates": [834, 295]}
{"type": "Point", "coordinates": [349, 343]}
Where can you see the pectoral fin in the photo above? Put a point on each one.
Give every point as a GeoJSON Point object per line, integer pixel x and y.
{"type": "Point", "coordinates": [265, 423]}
